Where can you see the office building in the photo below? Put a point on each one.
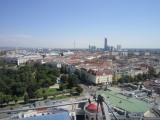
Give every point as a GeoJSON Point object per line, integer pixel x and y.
{"type": "Point", "coordinates": [105, 45]}
{"type": "Point", "coordinates": [118, 47]}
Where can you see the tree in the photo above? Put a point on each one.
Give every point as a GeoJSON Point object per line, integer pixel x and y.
{"type": "Point", "coordinates": [7, 99]}
{"type": "Point", "coordinates": [114, 82]}
{"type": "Point", "coordinates": [26, 97]}
{"type": "Point", "coordinates": [4, 88]}
{"type": "Point", "coordinates": [2, 63]}
{"type": "Point", "coordinates": [140, 77]}
{"type": "Point", "coordinates": [114, 76]}
{"type": "Point", "coordinates": [78, 73]}
{"type": "Point", "coordinates": [151, 72]}
{"type": "Point", "coordinates": [64, 79]}
{"type": "Point", "coordinates": [15, 98]}
{"type": "Point", "coordinates": [31, 89]}
{"type": "Point", "coordinates": [84, 76]}
{"type": "Point", "coordinates": [53, 79]}
{"type": "Point", "coordinates": [126, 79]}
{"type": "Point", "coordinates": [37, 94]}
{"type": "Point", "coordinates": [71, 92]}
{"type": "Point", "coordinates": [121, 80]}
{"type": "Point", "coordinates": [18, 88]}
{"type": "Point", "coordinates": [131, 79]}
{"type": "Point", "coordinates": [79, 89]}
{"type": "Point", "coordinates": [136, 79]}
{"type": "Point", "coordinates": [43, 91]}
{"type": "Point", "coordinates": [46, 82]}
{"type": "Point", "coordinates": [72, 81]}
{"type": "Point", "coordinates": [56, 72]}
{"type": "Point", "coordinates": [145, 76]}
{"type": "Point", "coordinates": [64, 69]}
{"type": "Point", "coordinates": [1, 98]}
{"type": "Point", "coordinates": [62, 86]}
{"type": "Point", "coordinates": [45, 97]}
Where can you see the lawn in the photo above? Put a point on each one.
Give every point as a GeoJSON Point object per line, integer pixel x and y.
{"type": "Point", "coordinates": [53, 91]}
{"type": "Point", "coordinates": [61, 97]}
{"type": "Point", "coordinates": [49, 91]}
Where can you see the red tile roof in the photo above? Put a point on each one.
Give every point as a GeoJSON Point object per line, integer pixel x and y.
{"type": "Point", "coordinates": [100, 72]}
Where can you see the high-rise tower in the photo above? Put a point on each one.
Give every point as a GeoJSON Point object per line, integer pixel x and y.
{"type": "Point", "coordinates": [105, 44]}
{"type": "Point", "coordinates": [118, 47]}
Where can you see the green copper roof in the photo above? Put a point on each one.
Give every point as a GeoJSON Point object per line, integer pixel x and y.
{"type": "Point", "coordinates": [129, 104]}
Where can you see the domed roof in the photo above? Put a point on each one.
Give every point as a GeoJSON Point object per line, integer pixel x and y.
{"type": "Point", "coordinates": [92, 108]}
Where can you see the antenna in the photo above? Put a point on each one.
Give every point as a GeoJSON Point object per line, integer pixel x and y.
{"type": "Point", "coordinates": [74, 44]}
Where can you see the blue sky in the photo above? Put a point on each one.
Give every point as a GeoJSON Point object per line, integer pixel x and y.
{"type": "Point", "coordinates": [60, 23]}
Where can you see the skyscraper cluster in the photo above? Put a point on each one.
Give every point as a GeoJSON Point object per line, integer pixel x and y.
{"type": "Point", "coordinates": [92, 48]}
{"type": "Point", "coordinates": [110, 48]}
{"type": "Point", "coordinates": [106, 47]}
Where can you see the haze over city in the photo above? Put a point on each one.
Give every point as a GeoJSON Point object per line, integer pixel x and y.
{"type": "Point", "coordinates": [60, 23]}
{"type": "Point", "coordinates": [79, 59]}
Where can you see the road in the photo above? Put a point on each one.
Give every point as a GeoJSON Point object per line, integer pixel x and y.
{"type": "Point", "coordinates": [89, 91]}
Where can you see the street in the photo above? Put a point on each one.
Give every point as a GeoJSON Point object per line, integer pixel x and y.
{"type": "Point", "coordinates": [89, 91]}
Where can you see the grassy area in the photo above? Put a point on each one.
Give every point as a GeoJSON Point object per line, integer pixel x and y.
{"type": "Point", "coordinates": [45, 91]}
{"type": "Point", "coordinates": [56, 93]}
{"type": "Point", "coordinates": [53, 91]}
{"type": "Point", "coordinates": [17, 105]}
{"type": "Point", "coordinates": [10, 106]}
{"type": "Point", "coordinates": [61, 97]}
{"type": "Point", "coordinates": [49, 91]}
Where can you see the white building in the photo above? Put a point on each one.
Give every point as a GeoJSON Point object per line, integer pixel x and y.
{"type": "Point", "coordinates": [147, 53]}
{"type": "Point", "coordinates": [102, 76]}
{"type": "Point", "coordinates": [57, 64]}
{"type": "Point", "coordinates": [136, 71]}
{"type": "Point", "coordinates": [123, 53]}
{"type": "Point", "coordinates": [136, 53]}
{"type": "Point", "coordinates": [20, 59]}
{"type": "Point", "coordinates": [114, 53]}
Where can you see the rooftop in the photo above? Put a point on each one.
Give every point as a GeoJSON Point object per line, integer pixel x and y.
{"type": "Point", "coordinates": [92, 108]}
{"type": "Point", "coordinates": [57, 116]}
{"type": "Point", "coordinates": [129, 104]}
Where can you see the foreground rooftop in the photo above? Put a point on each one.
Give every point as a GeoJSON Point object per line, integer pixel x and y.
{"type": "Point", "coordinates": [128, 104]}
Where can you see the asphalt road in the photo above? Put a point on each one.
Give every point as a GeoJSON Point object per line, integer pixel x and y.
{"type": "Point", "coordinates": [89, 91]}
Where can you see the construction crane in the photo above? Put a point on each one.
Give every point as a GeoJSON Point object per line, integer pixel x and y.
{"type": "Point", "coordinates": [105, 113]}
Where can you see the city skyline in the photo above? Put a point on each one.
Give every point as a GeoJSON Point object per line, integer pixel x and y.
{"type": "Point", "coordinates": [69, 24]}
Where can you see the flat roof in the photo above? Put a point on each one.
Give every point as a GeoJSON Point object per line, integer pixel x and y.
{"type": "Point", "coordinates": [57, 116]}
{"type": "Point", "coordinates": [129, 104]}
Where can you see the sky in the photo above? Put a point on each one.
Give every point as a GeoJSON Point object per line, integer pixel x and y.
{"type": "Point", "coordinates": [61, 23]}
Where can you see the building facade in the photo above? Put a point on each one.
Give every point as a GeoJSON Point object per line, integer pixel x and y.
{"type": "Point", "coordinates": [105, 44]}
{"type": "Point", "coordinates": [102, 76]}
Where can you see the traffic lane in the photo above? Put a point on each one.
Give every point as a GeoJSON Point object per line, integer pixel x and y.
{"type": "Point", "coordinates": [90, 90]}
